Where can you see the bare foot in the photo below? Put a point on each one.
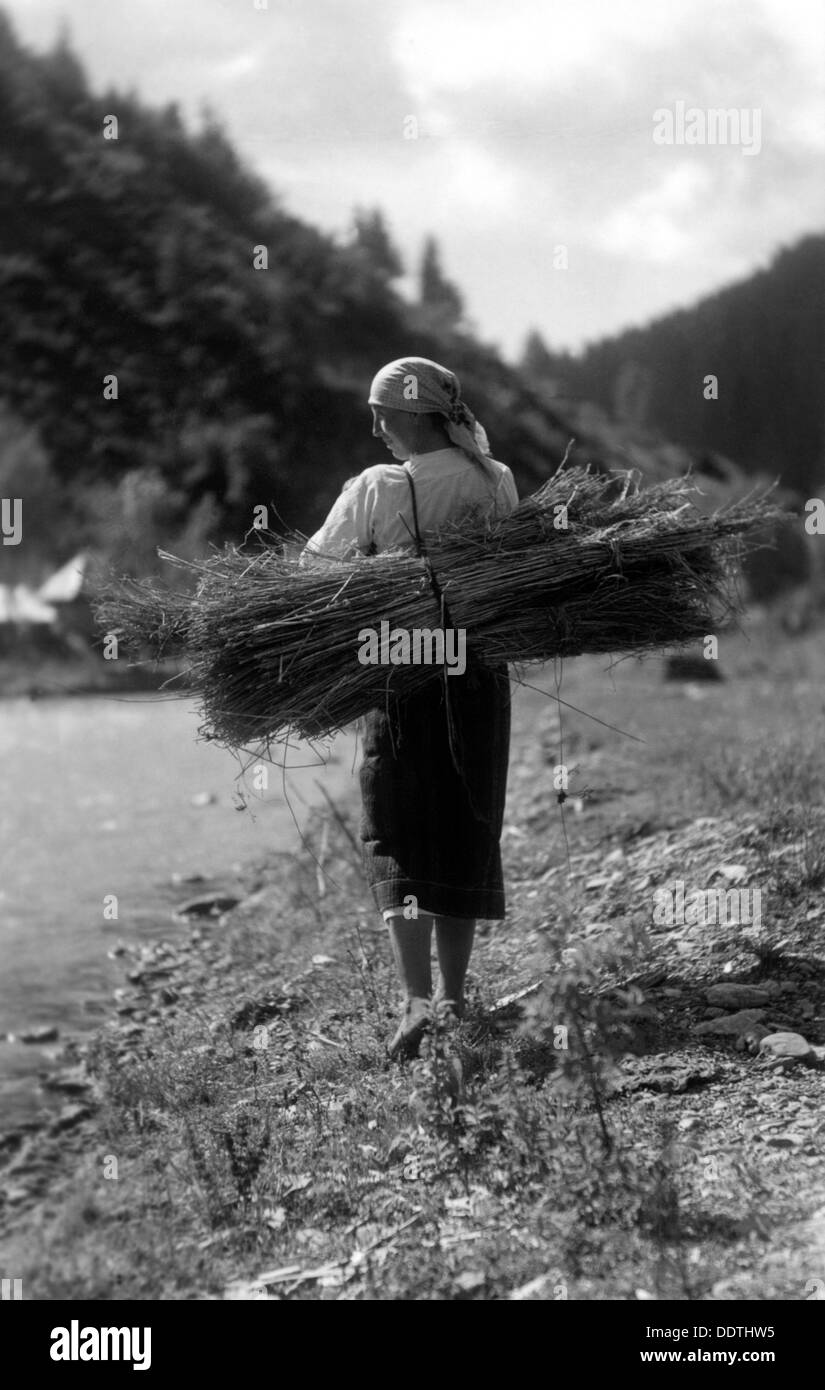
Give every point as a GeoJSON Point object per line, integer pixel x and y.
{"type": "Point", "coordinates": [448, 1012]}
{"type": "Point", "coordinates": [415, 1020]}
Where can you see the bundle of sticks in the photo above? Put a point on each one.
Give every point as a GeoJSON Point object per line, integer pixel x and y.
{"type": "Point", "coordinates": [274, 645]}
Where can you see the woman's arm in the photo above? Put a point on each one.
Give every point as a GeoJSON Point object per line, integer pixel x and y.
{"type": "Point", "coordinates": [347, 530]}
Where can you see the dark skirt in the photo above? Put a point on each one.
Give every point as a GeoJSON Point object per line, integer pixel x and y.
{"type": "Point", "coordinates": [433, 796]}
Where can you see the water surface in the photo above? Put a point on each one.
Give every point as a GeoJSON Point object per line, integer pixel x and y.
{"type": "Point", "coordinates": [102, 795]}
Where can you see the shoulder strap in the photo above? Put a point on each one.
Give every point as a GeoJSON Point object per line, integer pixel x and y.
{"type": "Point", "coordinates": [419, 542]}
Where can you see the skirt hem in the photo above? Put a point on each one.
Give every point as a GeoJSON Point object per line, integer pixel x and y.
{"type": "Point", "coordinates": [441, 899]}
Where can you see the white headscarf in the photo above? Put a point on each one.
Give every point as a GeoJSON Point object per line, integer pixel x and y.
{"type": "Point", "coordinates": [423, 387]}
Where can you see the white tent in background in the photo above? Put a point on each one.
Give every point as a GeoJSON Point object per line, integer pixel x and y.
{"type": "Point", "coordinates": [21, 604]}
{"type": "Point", "coordinates": [65, 584]}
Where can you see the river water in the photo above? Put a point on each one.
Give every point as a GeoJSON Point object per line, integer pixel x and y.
{"type": "Point", "coordinates": [115, 795]}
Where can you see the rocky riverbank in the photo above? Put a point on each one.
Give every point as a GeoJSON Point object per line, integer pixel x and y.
{"type": "Point", "coordinates": [633, 1108]}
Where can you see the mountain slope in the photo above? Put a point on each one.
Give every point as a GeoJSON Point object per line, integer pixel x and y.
{"type": "Point", "coordinates": [764, 341]}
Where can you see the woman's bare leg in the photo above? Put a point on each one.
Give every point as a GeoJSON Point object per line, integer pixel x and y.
{"type": "Point", "coordinates": [454, 938]}
{"type": "Point", "coordinates": [411, 945]}
{"type": "Point", "coordinates": [411, 942]}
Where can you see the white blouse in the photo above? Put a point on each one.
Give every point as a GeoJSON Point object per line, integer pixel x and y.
{"type": "Point", "coordinates": [375, 509]}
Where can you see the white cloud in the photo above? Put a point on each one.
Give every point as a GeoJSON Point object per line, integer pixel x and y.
{"type": "Point", "coordinates": [458, 46]}
{"type": "Point", "coordinates": [801, 25]}
{"type": "Point", "coordinates": [660, 224]}
{"type": "Point", "coordinates": [240, 66]}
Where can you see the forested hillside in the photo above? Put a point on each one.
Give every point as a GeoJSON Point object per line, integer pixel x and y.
{"type": "Point", "coordinates": [236, 384]}
{"type": "Point", "coordinates": [763, 340]}
{"type": "Point", "coordinates": [243, 341]}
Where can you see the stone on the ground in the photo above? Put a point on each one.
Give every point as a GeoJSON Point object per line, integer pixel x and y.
{"type": "Point", "coordinates": [749, 1040]}
{"type": "Point", "coordinates": [39, 1035]}
{"type": "Point", "coordinates": [210, 905]}
{"type": "Point", "coordinates": [735, 996]}
{"type": "Point", "coordinates": [69, 1116]}
{"type": "Point", "coordinates": [788, 1140]}
{"type": "Point", "coordinates": [470, 1280]}
{"type": "Point", "coordinates": [785, 1048]}
{"type": "Point", "coordinates": [687, 666]}
{"type": "Point", "coordinates": [72, 1082]}
{"type": "Point", "coordinates": [731, 1025]}
{"type": "Point", "coordinates": [128, 1030]}
{"type": "Point", "coordinates": [15, 1195]}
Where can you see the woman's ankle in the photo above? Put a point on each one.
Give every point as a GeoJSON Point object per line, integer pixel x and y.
{"type": "Point", "coordinates": [452, 1002]}
{"type": "Point", "coordinates": [417, 1003]}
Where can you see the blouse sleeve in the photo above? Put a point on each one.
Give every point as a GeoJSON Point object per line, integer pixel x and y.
{"type": "Point", "coordinates": [348, 527]}
{"type": "Point", "coordinates": [506, 494]}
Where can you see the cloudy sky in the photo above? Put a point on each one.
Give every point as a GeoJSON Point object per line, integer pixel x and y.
{"type": "Point", "coordinates": [533, 124]}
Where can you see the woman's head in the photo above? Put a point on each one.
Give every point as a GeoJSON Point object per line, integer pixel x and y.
{"type": "Point", "coordinates": [406, 433]}
{"type": "Point", "coordinates": [417, 389]}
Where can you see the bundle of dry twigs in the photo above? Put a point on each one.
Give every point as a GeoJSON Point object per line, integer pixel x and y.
{"type": "Point", "coordinates": [580, 566]}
